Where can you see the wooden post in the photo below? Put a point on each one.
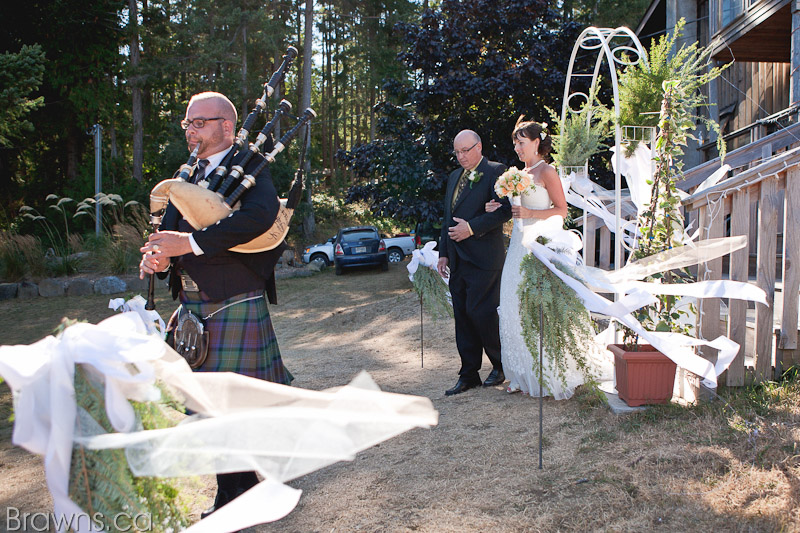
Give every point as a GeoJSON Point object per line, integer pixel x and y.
{"type": "Point", "coordinates": [765, 278]}
{"type": "Point", "coordinates": [711, 218]}
{"type": "Point", "coordinates": [791, 264]}
{"type": "Point", "coordinates": [589, 238]}
{"type": "Point", "coordinates": [605, 247]}
{"type": "Point", "coordinates": [697, 270]}
{"type": "Point", "coordinates": [794, 90]}
{"type": "Point", "coordinates": [737, 309]}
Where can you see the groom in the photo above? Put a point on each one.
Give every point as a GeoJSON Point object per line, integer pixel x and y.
{"type": "Point", "coordinates": [471, 245]}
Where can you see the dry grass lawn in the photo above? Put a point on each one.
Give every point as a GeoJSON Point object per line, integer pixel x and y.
{"type": "Point", "coordinates": [729, 465]}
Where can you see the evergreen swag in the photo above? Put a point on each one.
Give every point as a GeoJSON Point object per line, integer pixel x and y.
{"type": "Point", "coordinates": [100, 480]}
{"type": "Point", "coordinates": [567, 326]}
{"type": "Point", "coordinates": [433, 292]}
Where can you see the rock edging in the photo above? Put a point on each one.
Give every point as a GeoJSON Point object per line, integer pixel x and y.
{"type": "Point", "coordinates": [107, 285]}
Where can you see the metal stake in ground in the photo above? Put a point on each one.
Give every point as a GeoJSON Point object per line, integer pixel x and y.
{"type": "Point", "coordinates": [541, 377]}
{"type": "Point", "coordinates": [421, 337]}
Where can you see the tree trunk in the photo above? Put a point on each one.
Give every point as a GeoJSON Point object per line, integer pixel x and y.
{"type": "Point", "coordinates": [308, 221]}
{"type": "Point", "coordinates": [324, 92]}
{"type": "Point", "coordinates": [136, 93]}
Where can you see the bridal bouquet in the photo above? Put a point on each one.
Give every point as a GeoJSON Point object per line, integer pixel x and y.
{"type": "Point", "coordinates": [512, 184]}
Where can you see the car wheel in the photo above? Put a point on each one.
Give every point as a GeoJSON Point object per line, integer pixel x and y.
{"type": "Point", "coordinates": [395, 255]}
{"type": "Point", "coordinates": [338, 269]}
{"type": "Point", "coordinates": [384, 266]}
{"type": "Point", "coordinates": [320, 258]}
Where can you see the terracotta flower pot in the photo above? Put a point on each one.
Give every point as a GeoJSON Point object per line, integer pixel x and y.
{"type": "Point", "coordinates": [643, 377]}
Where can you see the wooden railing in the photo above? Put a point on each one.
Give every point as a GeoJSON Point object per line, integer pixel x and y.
{"type": "Point", "coordinates": [763, 203]}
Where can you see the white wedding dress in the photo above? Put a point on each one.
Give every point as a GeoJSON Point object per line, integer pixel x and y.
{"type": "Point", "coordinates": [517, 359]}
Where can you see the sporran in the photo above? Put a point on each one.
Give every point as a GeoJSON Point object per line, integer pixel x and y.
{"type": "Point", "coordinates": [191, 340]}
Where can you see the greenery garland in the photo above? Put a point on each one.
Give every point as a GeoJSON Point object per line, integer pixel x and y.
{"type": "Point", "coordinates": [567, 326]}
{"type": "Point", "coordinates": [433, 292]}
{"type": "Point", "coordinates": [100, 480]}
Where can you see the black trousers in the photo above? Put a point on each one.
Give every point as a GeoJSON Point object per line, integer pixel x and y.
{"type": "Point", "coordinates": [233, 485]}
{"type": "Point", "coordinates": [476, 296]}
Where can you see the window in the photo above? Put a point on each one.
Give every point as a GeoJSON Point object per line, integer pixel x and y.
{"type": "Point", "coordinates": [361, 235]}
{"type": "Point", "coordinates": [730, 10]}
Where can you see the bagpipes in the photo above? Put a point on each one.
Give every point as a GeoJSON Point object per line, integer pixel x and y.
{"type": "Point", "coordinates": [209, 201]}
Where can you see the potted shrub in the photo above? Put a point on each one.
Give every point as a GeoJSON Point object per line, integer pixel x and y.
{"type": "Point", "coordinates": [669, 81]}
{"type": "Point", "coordinates": [643, 374]}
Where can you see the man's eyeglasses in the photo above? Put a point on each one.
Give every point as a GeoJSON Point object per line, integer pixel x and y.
{"type": "Point", "coordinates": [460, 152]}
{"type": "Point", "coordinates": [197, 123]}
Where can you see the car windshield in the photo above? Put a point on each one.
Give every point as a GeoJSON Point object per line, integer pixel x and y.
{"type": "Point", "coordinates": [359, 235]}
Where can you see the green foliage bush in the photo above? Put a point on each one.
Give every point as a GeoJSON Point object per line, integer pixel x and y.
{"type": "Point", "coordinates": [641, 85]}
{"type": "Point", "coordinates": [18, 255]}
{"type": "Point", "coordinates": [57, 253]}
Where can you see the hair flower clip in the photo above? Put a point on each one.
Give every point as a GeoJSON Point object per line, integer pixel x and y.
{"type": "Point", "coordinates": [543, 133]}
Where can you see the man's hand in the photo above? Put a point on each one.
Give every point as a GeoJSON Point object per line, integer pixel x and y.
{"type": "Point", "coordinates": [441, 266]}
{"type": "Point", "coordinates": [151, 264]}
{"type": "Point", "coordinates": [460, 231]}
{"type": "Point", "coordinates": [168, 243]}
{"type": "Point", "coordinates": [159, 248]}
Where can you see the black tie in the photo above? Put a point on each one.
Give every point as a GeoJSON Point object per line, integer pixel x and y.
{"type": "Point", "coordinates": [200, 173]}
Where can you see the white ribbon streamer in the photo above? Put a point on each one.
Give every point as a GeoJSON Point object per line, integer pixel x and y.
{"type": "Point", "coordinates": [244, 423]}
{"type": "Point", "coordinates": [637, 170]}
{"type": "Point", "coordinates": [150, 318]}
{"type": "Point", "coordinates": [582, 196]}
{"type": "Point", "coordinates": [713, 179]}
{"type": "Point", "coordinates": [42, 378]}
{"type": "Point", "coordinates": [425, 256]}
{"type": "Point", "coordinates": [676, 258]}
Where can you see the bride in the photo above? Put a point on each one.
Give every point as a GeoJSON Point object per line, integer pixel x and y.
{"type": "Point", "coordinates": [543, 200]}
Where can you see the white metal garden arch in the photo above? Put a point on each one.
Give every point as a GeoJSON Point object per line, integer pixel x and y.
{"type": "Point", "coordinates": [611, 45]}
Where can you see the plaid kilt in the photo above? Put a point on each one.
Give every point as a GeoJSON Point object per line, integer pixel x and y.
{"type": "Point", "coordinates": [241, 337]}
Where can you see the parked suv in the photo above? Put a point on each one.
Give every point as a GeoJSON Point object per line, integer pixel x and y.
{"type": "Point", "coordinates": [357, 246]}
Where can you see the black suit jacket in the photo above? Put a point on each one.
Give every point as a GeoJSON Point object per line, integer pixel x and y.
{"type": "Point", "coordinates": [219, 272]}
{"type": "Point", "coordinates": [485, 249]}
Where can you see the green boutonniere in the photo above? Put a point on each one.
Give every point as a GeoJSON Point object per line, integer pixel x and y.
{"type": "Point", "coordinates": [474, 177]}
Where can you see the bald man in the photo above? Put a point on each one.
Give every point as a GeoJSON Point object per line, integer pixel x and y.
{"type": "Point", "coordinates": [228, 290]}
{"type": "Point", "coordinates": [471, 253]}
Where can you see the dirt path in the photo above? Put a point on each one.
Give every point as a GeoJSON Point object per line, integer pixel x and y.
{"type": "Point", "coordinates": [666, 470]}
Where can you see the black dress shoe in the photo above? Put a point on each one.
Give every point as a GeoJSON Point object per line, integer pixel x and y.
{"type": "Point", "coordinates": [496, 377]}
{"type": "Point", "coordinates": [461, 386]}
{"type": "Point", "coordinates": [229, 487]}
